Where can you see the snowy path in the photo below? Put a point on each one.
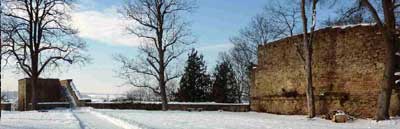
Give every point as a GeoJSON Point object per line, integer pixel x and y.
{"type": "Point", "coordinates": [81, 118]}
{"type": "Point", "coordinates": [90, 120]}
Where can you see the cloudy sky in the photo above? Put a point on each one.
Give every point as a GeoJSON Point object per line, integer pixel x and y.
{"type": "Point", "coordinates": [99, 23]}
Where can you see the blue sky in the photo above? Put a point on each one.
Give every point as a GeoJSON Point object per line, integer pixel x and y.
{"type": "Point", "coordinates": [212, 24]}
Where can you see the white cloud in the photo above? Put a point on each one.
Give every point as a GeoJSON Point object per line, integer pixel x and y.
{"type": "Point", "coordinates": [105, 26]}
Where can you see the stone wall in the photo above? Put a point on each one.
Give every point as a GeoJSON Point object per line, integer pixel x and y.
{"type": "Point", "coordinates": [5, 106]}
{"type": "Point", "coordinates": [157, 106]}
{"type": "Point", "coordinates": [52, 105]}
{"type": "Point", "coordinates": [67, 85]}
{"type": "Point", "coordinates": [347, 71]}
{"type": "Point", "coordinates": [48, 90]}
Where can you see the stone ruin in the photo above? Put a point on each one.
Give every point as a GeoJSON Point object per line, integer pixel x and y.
{"type": "Point", "coordinates": [50, 93]}
{"type": "Point", "coordinates": [347, 66]}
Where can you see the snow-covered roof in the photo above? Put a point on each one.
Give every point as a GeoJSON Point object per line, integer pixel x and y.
{"type": "Point", "coordinates": [183, 103]}
{"type": "Point", "coordinates": [329, 27]}
{"type": "Point", "coordinates": [353, 25]}
{"type": "Point", "coordinates": [49, 103]}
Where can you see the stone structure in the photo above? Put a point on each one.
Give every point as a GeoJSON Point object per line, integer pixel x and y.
{"type": "Point", "coordinates": [347, 71]}
{"type": "Point", "coordinates": [53, 93]}
{"type": "Point", "coordinates": [171, 106]}
{"type": "Point", "coordinates": [6, 106]}
{"type": "Point", "coordinates": [75, 98]}
{"type": "Point", "coordinates": [48, 90]}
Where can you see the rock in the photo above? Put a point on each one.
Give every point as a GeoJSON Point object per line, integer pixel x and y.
{"type": "Point", "coordinates": [340, 117]}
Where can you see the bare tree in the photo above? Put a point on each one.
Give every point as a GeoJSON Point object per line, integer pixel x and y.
{"type": "Point", "coordinates": [350, 15]}
{"type": "Point", "coordinates": [260, 31]}
{"type": "Point", "coordinates": [242, 64]}
{"type": "Point", "coordinates": [164, 34]}
{"type": "Point", "coordinates": [278, 20]}
{"type": "Point", "coordinates": [307, 49]}
{"type": "Point", "coordinates": [285, 16]}
{"type": "Point", "coordinates": [1, 48]}
{"type": "Point", "coordinates": [387, 26]}
{"type": "Point", "coordinates": [40, 37]}
{"type": "Point", "coordinates": [141, 94]}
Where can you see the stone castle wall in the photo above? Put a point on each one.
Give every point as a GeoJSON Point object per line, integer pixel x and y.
{"type": "Point", "coordinates": [48, 90]}
{"type": "Point", "coordinates": [347, 71]}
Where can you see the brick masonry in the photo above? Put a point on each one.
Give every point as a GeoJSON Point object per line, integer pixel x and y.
{"type": "Point", "coordinates": [347, 71]}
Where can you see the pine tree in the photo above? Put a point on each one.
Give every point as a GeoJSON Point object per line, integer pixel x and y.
{"type": "Point", "coordinates": [225, 87]}
{"type": "Point", "coordinates": [195, 84]}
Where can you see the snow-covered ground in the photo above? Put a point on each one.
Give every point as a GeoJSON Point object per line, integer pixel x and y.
{"type": "Point", "coordinates": [235, 120]}
{"type": "Point", "coordinates": [54, 119]}
{"type": "Point", "coordinates": [85, 118]}
{"type": "Point", "coordinates": [88, 118]}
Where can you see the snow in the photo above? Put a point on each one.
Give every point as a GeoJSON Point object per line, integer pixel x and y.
{"type": "Point", "coordinates": [103, 97]}
{"type": "Point", "coordinates": [207, 103]}
{"type": "Point", "coordinates": [54, 119]}
{"type": "Point", "coordinates": [397, 73]}
{"type": "Point", "coordinates": [235, 120]}
{"type": "Point", "coordinates": [334, 27]}
{"type": "Point", "coordinates": [71, 98]}
{"type": "Point", "coordinates": [53, 103]}
{"type": "Point", "coordinates": [397, 81]}
{"type": "Point", "coordinates": [398, 53]}
{"type": "Point", "coordinates": [84, 118]}
{"type": "Point", "coordinates": [77, 93]}
{"type": "Point", "coordinates": [122, 124]}
{"type": "Point", "coordinates": [353, 25]}
{"type": "Point", "coordinates": [183, 103]}
{"type": "Point", "coordinates": [91, 119]}
{"type": "Point", "coordinates": [88, 118]}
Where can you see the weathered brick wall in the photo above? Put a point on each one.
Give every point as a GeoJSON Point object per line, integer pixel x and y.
{"type": "Point", "coordinates": [347, 70]}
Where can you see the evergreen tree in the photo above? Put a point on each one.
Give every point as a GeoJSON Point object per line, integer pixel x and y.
{"type": "Point", "coordinates": [195, 84]}
{"type": "Point", "coordinates": [225, 88]}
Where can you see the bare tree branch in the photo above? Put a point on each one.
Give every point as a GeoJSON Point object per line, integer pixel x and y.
{"type": "Point", "coordinates": [163, 33]}
{"type": "Point", "coordinates": [40, 36]}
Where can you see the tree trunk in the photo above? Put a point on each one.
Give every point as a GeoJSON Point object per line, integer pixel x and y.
{"type": "Point", "coordinates": [34, 82]}
{"type": "Point", "coordinates": [163, 93]}
{"type": "Point", "coordinates": [396, 88]}
{"type": "Point", "coordinates": [164, 98]}
{"type": "Point", "coordinates": [310, 93]}
{"type": "Point", "coordinates": [1, 52]}
{"type": "Point", "coordinates": [308, 63]}
{"type": "Point", "coordinates": [240, 97]}
{"type": "Point", "coordinates": [396, 111]}
{"type": "Point", "coordinates": [162, 81]}
{"type": "Point", "coordinates": [388, 82]}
